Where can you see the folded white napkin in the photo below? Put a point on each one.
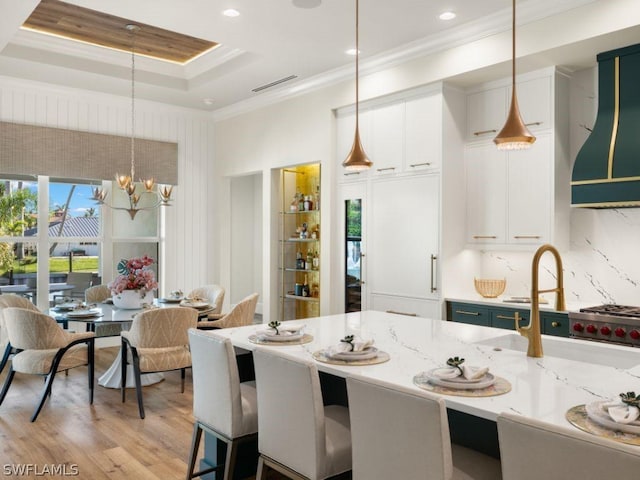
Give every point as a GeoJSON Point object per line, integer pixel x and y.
{"type": "Point", "coordinates": [286, 331]}
{"type": "Point", "coordinates": [621, 412]}
{"type": "Point", "coordinates": [469, 373]}
{"type": "Point", "coordinates": [359, 345]}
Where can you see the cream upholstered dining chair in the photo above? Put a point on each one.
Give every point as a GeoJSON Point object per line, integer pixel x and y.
{"type": "Point", "coordinates": [45, 349]}
{"type": "Point", "coordinates": [298, 436]}
{"type": "Point", "coordinates": [214, 295]}
{"type": "Point", "coordinates": [415, 423]}
{"type": "Point", "coordinates": [98, 294]}
{"type": "Point", "coordinates": [158, 342]}
{"type": "Point", "coordinates": [222, 405]}
{"type": "Point", "coordinates": [8, 301]}
{"type": "Point", "coordinates": [531, 449]}
{"type": "Point", "coordinates": [240, 315]}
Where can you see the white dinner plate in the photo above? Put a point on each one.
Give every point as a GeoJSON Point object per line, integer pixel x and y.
{"type": "Point", "coordinates": [171, 300]}
{"type": "Point", "coordinates": [484, 382]}
{"type": "Point", "coordinates": [366, 354]}
{"type": "Point", "coordinates": [458, 379]}
{"type": "Point", "coordinates": [597, 413]}
{"type": "Point", "coordinates": [193, 303]}
{"type": "Point", "coordinates": [84, 313]}
{"type": "Point", "coordinates": [270, 336]}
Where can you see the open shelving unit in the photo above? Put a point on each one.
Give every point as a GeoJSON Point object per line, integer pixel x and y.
{"type": "Point", "coordinates": [300, 242]}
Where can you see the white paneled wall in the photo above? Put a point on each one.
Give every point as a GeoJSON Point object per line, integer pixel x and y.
{"type": "Point", "coordinates": [187, 238]}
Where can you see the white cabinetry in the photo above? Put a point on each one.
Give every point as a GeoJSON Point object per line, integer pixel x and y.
{"type": "Point", "coordinates": [487, 109]}
{"type": "Point", "coordinates": [519, 199]}
{"type": "Point", "coordinates": [401, 136]}
{"type": "Point", "coordinates": [386, 143]}
{"type": "Point", "coordinates": [423, 133]}
{"type": "Point", "coordinates": [486, 186]}
{"type": "Point", "coordinates": [403, 238]}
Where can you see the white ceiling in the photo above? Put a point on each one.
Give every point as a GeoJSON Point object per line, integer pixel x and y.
{"type": "Point", "coordinates": [270, 40]}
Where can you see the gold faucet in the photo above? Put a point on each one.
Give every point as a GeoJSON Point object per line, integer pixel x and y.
{"type": "Point", "coordinates": [532, 331]}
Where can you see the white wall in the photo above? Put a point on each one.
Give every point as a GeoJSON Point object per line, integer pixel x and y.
{"type": "Point", "coordinates": [246, 238]}
{"type": "Point", "coordinates": [189, 221]}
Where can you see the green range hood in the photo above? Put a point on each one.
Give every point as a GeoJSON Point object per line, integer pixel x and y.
{"type": "Point", "coordinates": [606, 173]}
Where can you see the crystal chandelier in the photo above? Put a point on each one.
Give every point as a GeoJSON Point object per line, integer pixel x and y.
{"type": "Point", "coordinates": [127, 182]}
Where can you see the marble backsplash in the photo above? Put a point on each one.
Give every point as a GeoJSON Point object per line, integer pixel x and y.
{"type": "Point", "coordinates": [601, 266]}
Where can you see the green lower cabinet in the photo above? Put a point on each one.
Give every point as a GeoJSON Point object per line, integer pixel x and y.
{"type": "Point", "coordinates": [555, 324]}
{"type": "Point", "coordinates": [506, 318]}
{"type": "Point", "coordinates": [468, 313]}
{"type": "Point", "coordinates": [551, 323]}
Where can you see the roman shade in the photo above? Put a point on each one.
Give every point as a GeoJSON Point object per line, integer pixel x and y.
{"type": "Point", "coordinates": [57, 152]}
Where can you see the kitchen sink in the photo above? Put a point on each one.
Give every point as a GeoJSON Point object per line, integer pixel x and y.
{"type": "Point", "coordinates": [571, 349]}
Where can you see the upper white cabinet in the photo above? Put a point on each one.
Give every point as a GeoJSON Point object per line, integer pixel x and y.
{"type": "Point", "coordinates": [386, 144]}
{"type": "Point", "coordinates": [487, 108]}
{"type": "Point", "coordinates": [519, 199]}
{"type": "Point", "coordinates": [486, 111]}
{"type": "Point", "coordinates": [423, 133]}
{"type": "Point", "coordinates": [399, 136]}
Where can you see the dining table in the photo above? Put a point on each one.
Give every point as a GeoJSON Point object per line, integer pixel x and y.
{"type": "Point", "coordinates": [574, 372]}
{"type": "Point", "coordinates": [107, 314]}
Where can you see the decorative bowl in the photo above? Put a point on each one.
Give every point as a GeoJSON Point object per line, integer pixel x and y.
{"type": "Point", "coordinates": [490, 288]}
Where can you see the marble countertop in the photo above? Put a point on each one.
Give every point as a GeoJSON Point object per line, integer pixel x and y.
{"type": "Point", "coordinates": [500, 302]}
{"type": "Point", "coordinates": [543, 388]}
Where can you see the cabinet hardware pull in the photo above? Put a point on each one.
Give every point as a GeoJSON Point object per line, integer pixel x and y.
{"type": "Point", "coordinates": [483, 236]}
{"type": "Point", "coordinates": [402, 313]}
{"type": "Point", "coordinates": [504, 317]}
{"type": "Point", "coordinates": [493, 130]}
{"type": "Point", "coordinates": [555, 324]}
{"type": "Point", "coordinates": [464, 312]}
{"type": "Point", "coordinates": [413, 165]}
{"type": "Point", "coordinates": [433, 261]}
{"type": "Point", "coordinates": [351, 173]}
{"type": "Point", "coordinates": [526, 236]}
{"type": "Point", "coordinates": [532, 123]}
{"type": "Point", "coordinates": [385, 169]}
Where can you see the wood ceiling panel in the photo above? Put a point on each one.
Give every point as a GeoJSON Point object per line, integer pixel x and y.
{"type": "Point", "coordinates": [90, 26]}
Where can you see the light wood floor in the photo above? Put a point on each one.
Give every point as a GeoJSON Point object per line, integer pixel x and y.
{"type": "Point", "coordinates": [106, 440]}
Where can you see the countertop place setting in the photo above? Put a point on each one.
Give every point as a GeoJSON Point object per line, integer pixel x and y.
{"type": "Point", "coordinates": [457, 378]}
{"type": "Point", "coordinates": [78, 309]}
{"type": "Point", "coordinates": [352, 350]}
{"type": "Point", "coordinates": [616, 418]}
{"type": "Point", "coordinates": [278, 334]}
{"type": "Point", "coordinates": [176, 296]}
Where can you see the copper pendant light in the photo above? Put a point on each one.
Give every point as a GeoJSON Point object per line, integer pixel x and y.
{"type": "Point", "coordinates": [357, 159]}
{"type": "Point", "coordinates": [514, 135]}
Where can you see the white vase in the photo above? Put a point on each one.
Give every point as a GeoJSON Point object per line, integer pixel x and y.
{"type": "Point", "coordinates": [132, 299]}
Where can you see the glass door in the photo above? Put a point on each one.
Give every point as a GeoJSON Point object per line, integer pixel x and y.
{"type": "Point", "coordinates": [353, 261]}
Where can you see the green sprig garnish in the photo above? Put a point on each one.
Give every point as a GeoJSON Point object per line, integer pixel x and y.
{"type": "Point", "coordinates": [631, 399]}
{"type": "Point", "coordinates": [456, 362]}
{"type": "Point", "coordinates": [349, 339]}
{"type": "Point", "coordinates": [275, 324]}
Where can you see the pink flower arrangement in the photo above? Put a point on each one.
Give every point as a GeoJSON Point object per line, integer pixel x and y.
{"type": "Point", "coordinates": [134, 274]}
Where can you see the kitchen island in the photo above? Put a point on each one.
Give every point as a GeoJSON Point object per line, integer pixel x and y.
{"type": "Point", "coordinates": [573, 371]}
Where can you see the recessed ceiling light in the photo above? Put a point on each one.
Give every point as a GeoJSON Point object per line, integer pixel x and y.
{"type": "Point", "coordinates": [231, 12]}
{"type": "Point", "coordinates": [208, 101]}
{"type": "Point", "coordinates": [352, 51]}
{"type": "Point", "coordinates": [447, 16]}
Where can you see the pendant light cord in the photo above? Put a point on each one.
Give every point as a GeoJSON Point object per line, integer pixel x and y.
{"type": "Point", "coordinates": [133, 110]}
{"type": "Point", "coordinates": [357, 62]}
{"type": "Point", "coordinates": [513, 49]}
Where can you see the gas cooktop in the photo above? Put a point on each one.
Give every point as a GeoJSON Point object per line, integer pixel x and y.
{"type": "Point", "coordinates": [607, 323]}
